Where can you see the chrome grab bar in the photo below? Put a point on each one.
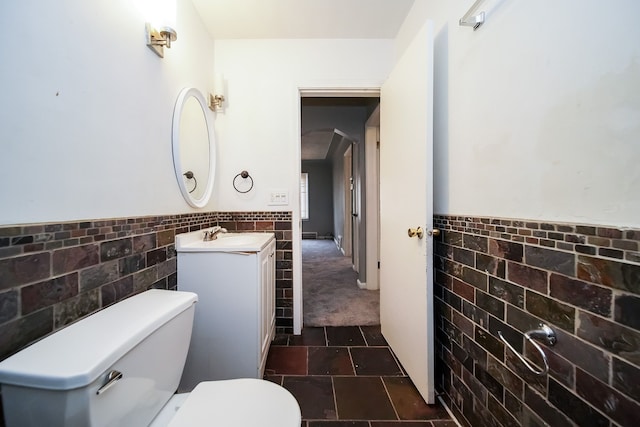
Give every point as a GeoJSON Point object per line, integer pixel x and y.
{"type": "Point", "coordinates": [544, 333]}
{"type": "Point", "coordinates": [112, 378]}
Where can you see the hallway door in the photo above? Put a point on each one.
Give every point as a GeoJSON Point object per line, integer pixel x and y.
{"type": "Point", "coordinates": [347, 235]}
{"type": "Point", "coordinates": [406, 202]}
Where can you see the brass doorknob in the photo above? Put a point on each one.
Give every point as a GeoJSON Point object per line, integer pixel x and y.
{"type": "Point", "coordinates": [412, 232]}
{"type": "Point", "coordinates": [435, 232]}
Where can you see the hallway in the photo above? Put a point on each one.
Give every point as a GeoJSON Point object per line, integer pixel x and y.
{"type": "Point", "coordinates": [348, 376]}
{"type": "Point", "coordinates": [330, 292]}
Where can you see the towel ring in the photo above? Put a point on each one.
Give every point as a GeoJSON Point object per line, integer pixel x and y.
{"type": "Point", "coordinates": [244, 175]}
{"type": "Point", "coordinates": [543, 333]}
{"type": "Point", "coordinates": [190, 175]}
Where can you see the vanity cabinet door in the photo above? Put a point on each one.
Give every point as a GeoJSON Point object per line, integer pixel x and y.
{"type": "Point", "coordinates": [267, 315]}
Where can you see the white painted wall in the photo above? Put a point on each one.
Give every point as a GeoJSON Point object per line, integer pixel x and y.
{"type": "Point", "coordinates": [259, 130]}
{"type": "Point", "coordinates": [86, 107]}
{"type": "Point", "coordinates": [537, 113]}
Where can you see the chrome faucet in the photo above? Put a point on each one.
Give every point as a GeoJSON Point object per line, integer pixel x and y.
{"type": "Point", "coordinates": [213, 233]}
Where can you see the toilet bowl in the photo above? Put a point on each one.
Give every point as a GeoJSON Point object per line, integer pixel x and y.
{"type": "Point", "coordinates": [122, 366]}
{"type": "Point", "coordinates": [238, 402]}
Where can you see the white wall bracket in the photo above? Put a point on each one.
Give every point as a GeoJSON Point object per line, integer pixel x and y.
{"type": "Point", "coordinates": [471, 18]}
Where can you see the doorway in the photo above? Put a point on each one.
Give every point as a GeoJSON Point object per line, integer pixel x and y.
{"type": "Point", "coordinates": [406, 210]}
{"type": "Point", "coordinates": [333, 160]}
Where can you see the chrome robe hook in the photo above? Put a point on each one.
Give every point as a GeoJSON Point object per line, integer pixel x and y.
{"type": "Point", "coordinates": [545, 334]}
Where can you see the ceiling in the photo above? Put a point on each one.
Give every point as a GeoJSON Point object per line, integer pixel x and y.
{"type": "Point", "coordinates": [308, 19]}
{"type": "Point", "coordinates": [299, 19]}
{"type": "Point", "coordinates": [320, 144]}
{"type": "Point", "coordinates": [315, 144]}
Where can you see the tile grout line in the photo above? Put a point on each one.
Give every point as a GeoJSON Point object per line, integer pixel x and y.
{"type": "Point", "coordinates": [353, 365]}
{"type": "Point", "coordinates": [335, 398]}
{"type": "Point", "coordinates": [402, 370]}
{"type": "Point", "coordinates": [366, 343]}
{"type": "Point", "coordinates": [395, 411]}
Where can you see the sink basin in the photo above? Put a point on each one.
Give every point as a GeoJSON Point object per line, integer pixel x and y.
{"type": "Point", "coordinates": [225, 242]}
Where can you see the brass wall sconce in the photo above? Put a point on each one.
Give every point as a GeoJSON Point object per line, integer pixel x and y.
{"type": "Point", "coordinates": [158, 39]}
{"type": "Point", "coordinates": [215, 102]}
{"type": "Point", "coordinates": [216, 99]}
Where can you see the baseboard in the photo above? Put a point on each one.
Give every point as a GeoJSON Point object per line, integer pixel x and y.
{"type": "Point", "coordinates": [361, 285]}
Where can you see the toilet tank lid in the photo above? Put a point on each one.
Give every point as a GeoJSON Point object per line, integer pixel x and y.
{"type": "Point", "coordinates": [75, 356]}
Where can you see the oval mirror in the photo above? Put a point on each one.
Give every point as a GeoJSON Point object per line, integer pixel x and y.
{"type": "Point", "coordinates": [194, 150]}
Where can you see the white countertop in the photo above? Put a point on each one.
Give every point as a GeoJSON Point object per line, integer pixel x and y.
{"type": "Point", "coordinates": [225, 242]}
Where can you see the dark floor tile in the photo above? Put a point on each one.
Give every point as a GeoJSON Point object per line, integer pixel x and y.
{"type": "Point", "coordinates": [338, 424]}
{"type": "Point", "coordinates": [358, 399]}
{"type": "Point", "coordinates": [408, 402]}
{"type": "Point", "coordinates": [373, 336]}
{"type": "Point", "coordinates": [309, 336]}
{"type": "Point", "coordinates": [274, 378]}
{"type": "Point", "coordinates": [344, 335]}
{"type": "Point", "coordinates": [374, 361]}
{"type": "Point", "coordinates": [286, 361]}
{"type": "Point", "coordinates": [402, 424]}
{"type": "Point", "coordinates": [444, 423]}
{"type": "Point", "coordinates": [281, 339]}
{"type": "Point", "coordinates": [314, 395]}
{"type": "Point", "coordinates": [329, 361]}
{"type": "Point", "coordinates": [362, 398]}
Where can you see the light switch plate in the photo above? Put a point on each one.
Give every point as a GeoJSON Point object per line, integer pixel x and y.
{"type": "Point", "coordinates": [278, 198]}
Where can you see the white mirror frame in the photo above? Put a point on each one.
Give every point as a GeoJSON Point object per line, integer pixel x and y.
{"type": "Point", "coordinates": [175, 139]}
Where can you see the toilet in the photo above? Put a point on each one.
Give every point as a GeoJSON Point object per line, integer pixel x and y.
{"type": "Point", "coordinates": [121, 367]}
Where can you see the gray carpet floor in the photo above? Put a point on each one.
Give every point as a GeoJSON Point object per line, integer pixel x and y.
{"type": "Point", "coordinates": [330, 292]}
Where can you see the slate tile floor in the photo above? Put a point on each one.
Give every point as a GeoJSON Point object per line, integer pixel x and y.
{"type": "Point", "coordinates": [348, 376]}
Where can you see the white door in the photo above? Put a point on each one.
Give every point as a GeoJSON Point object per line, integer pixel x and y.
{"type": "Point", "coordinates": [406, 263]}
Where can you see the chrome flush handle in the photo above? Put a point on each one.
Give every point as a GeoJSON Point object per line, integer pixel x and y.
{"type": "Point", "coordinates": [112, 378]}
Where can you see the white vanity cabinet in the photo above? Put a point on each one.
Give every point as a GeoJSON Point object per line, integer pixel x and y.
{"type": "Point", "coordinates": [234, 321]}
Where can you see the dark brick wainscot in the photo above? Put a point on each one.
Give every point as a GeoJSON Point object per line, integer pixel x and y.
{"type": "Point", "coordinates": [511, 275]}
{"type": "Point", "coordinates": [54, 274]}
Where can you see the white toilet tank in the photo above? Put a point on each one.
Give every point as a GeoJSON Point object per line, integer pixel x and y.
{"type": "Point", "coordinates": [57, 381]}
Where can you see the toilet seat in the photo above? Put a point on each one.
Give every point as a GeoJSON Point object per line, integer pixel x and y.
{"type": "Point", "coordinates": [245, 402]}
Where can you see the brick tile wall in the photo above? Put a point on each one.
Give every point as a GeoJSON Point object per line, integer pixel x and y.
{"type": "Point", "coordinates": [281, 224]}
{"type": "Point", "coordinates": [509, 275]}
{"type": "Point", "coordinates": [56, 273]}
